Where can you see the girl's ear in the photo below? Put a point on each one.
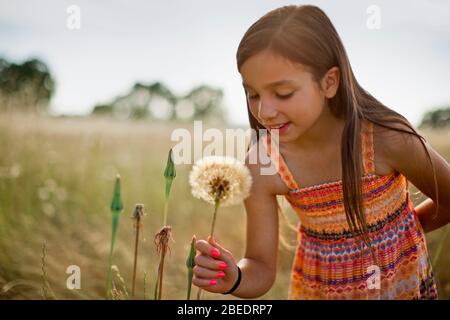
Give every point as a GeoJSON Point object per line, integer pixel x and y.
{"type": "Point", "coordinates": [330, 82]}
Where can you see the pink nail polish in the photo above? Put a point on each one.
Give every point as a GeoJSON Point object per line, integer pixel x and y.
{"type": "Point", "coordinates": [212, 282]}
{"type": "Point", "coordinates": [215, 253]}
{"type": "Point", "coordinates": [220, 274]}
{"type": "Point", "coordinates": [223, 265]}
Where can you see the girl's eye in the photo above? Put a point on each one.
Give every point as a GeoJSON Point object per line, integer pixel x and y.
{"type": "Point", "coordinates": [284, 97]}
{"type": "Point", "coordinates": [279, 96]}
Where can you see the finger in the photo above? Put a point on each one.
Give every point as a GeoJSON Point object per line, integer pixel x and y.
{"type": "Point", "coordinates": [210, 263]}
{"type": "Point", "coordinates": [207, 249]}
{"type": "Point", "coordinates": [208, 273]}
{"type": "Point", "coordinates": [215, 243]}
{"type": "Point", "coordinates": [204, 282]}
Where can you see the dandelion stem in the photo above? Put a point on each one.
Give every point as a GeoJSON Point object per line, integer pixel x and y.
{"type": "Point", "coordinates": [166, 207]}
{"type": "Point", "coordinates": [136, 246]}
{"type": "Point", "coordinates": [216, 207]}
{"type": "Point", "coordinates": [162, 239]}
{"type": "Point", "coordinates": [137, 215]}
{"type": "Point", "coordinates": [155, 293]}
{"type": "Point", "coordinates": [161, 272]}
{"type": "Point", "coordinates": [163, 236]}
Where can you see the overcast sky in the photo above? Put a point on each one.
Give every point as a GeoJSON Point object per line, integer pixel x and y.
{"type": "Point", "coordinates": [405, 63]}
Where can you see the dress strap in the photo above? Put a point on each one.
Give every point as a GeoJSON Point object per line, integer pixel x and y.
{"type": "Point", "coordinates": [278, 162]}
{"type": "Point", "coordinates": [367, 147]}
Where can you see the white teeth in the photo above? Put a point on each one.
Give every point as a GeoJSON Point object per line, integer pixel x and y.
{"type": "Point", "coordinates": [278, 127]}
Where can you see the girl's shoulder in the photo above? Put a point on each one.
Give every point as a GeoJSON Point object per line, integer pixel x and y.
{"type": "Point", "coordinates": [414, 157]}
{"type": "Point", "coordinates": [383, 139]}
{"type": "Point", "coordinates": [391, 144]}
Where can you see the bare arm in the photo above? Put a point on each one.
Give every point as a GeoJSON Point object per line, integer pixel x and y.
{"type": "Point", "coordinates": [426, 210]}
{"type": "Point", "coordinates": [259, 263]}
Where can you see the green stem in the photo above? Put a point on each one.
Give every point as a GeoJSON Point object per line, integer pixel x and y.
{"type": "Point", "coordinates": [189, 284]}
{"type": "Point", "coordinates": [115, 223]}
{"type": "Point", "coordinates": [216, 207]}
{"type": "Point", "coordinates": [166, 207]}
{"type": "Point", "coordinates": [161, 272]}
{"type": "Point", "coordinates": [190, 266]}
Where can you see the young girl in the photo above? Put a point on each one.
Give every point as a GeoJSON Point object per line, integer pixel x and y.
{"type": "Point", "coordinates": [344, 161]}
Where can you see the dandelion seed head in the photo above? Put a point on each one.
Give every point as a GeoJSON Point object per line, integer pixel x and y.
{"type": "Point", "coordinates": [223, 178]}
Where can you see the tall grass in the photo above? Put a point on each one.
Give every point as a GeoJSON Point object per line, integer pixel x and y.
{"type": "Point", "coordinates": [55, 186]}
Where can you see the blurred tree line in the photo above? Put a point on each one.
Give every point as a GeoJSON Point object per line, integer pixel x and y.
{"type": "Point", "coordinates": [158, 102]}
{"type": "Point", "coordinates": [437, 118]}
{"type": "Point", "coordinates": [28, 86]}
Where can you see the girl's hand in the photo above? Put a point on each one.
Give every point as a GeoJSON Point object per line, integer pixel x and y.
{"type": "Point", "coordinates": [215, 269]}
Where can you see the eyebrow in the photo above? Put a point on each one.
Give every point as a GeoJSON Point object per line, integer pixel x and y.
{"type": "Point", "coordinates": [271, 84]}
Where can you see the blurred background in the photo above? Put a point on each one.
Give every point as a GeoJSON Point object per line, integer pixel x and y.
{"type": "Point", "coordinates": [89, 89]}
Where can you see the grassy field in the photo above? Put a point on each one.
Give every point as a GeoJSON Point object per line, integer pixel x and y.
{"type": "Point", "coordinates": [56, 181]}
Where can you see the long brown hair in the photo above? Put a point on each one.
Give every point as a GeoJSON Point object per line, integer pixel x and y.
{"type": "Point", "coordinates": [304, 34]}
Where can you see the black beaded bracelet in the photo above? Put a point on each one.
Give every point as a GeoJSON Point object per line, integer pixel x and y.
{"type": "Point", "coordinates": [238, 281]}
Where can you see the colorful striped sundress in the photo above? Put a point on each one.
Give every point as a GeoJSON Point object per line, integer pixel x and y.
{"type": "Point", "coordinates": [330, 263]}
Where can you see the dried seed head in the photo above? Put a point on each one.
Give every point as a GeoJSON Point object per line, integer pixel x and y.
{"type": "Point", "coordinates": [162, 239]}
{"type": "Point", "coordinates": [138, 212]}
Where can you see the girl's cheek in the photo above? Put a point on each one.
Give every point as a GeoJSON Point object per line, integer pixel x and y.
{"type": "Point", "coordinates": [254, 109]}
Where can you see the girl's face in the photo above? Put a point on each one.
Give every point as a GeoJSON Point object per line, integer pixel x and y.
{"type": "Point", "coordinates": [280, 92]}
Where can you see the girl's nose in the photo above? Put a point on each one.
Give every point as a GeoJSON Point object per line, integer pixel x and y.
{"type": "Point", "coordinates": [266, 113]}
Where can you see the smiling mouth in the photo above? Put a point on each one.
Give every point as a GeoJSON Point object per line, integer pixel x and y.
{"type": "Point", "coordinates": [279, 126]}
